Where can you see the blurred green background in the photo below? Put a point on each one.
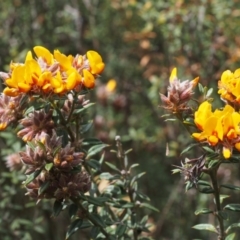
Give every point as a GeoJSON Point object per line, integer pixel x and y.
{"type": "Point", "coordinates": [140, 42]}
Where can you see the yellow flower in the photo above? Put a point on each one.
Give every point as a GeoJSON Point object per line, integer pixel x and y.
{"type": "Point", "coordinates": [218, 127]}
{"type": "Point", "coordinates": [64, 61]}
{"type": "Point", "coordinates": [44, 54]}
{"type": "Point", "coordinates": [95, 61]}
{"type": "Point", "coordinates": [111, 85]}
{"type": "Point", "coordinates": [88, 79]}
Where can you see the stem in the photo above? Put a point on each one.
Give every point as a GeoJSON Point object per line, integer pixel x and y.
{"type": "Point", "coordinates": [88, 215]}
{"type": "Point", "coordinates": [213, 176]}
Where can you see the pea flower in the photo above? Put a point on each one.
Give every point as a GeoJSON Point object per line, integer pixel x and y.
{"type": "Point", "coordinates": [229, 87]}
{"type": "Point", "coordinates": [219, 128]}
{"type": "Point", "coordinates": [52, 73]}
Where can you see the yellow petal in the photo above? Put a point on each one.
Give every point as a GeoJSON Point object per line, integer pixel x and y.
{"type": "Point", "coordinates": [89, 81]}
{"type": "Point", "coordinates": [72, 80]}
{"type": "Point", "coordinates": [44, 53]}
{"type": "Point", "coordinates": [28, 56]}
{"type": "Point", "coordinates": [111, 85]}
{"type": "Point", "coordinates": [11, 92]}
{"type": "Point", "coordinates": [226, 152]}
{"type": "Point", "coordinates": [95, 61]}
{"type": "Point", "coordinates": [64, 61]}
{"type": "Point", "coordinates": [173, 75]}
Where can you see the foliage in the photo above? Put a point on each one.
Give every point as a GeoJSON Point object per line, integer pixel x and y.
{"type": "Point", "coordinates": [141, 41]}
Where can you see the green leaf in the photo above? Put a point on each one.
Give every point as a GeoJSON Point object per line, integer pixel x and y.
{"type": "Point", "coordinates": [203, 211]}
{"type": "Point", "coordinates": [203, 183]}
{"type": "Point", "coordinates": [32, 176]}
{"type": "Point", "coordinates": [205, 226]}
{"type": "Point", "coordinates": [85, 127]}
{"type": "Point", "coordinates": [142, 196]}
{"type": "Point", "coordinates": [48, 166]}
{"type": "Point", "coordinates": [94, 164]}
{"type": "Point", "coordinates": [96, 149]}
{"type": "Point", "coordinates": [121, 229]}
{"type": "Point", "coordinates": [176, 170]}
{"type": "Point", "coordinates": [109, 176]}
{"type": "Point", "coordinates": [75, 225]}
{"type": "Point", "coordinates": [84, 108]}
{"type": "Point", "coordinates": [234, 225]}
{"type": "Point", "coordinates": [137, 177]}
{"type": "Point", "coordinates": [43, 187]}
{"type": "Point", "coordinates": [222, 197]}
{"type": "Point", "coordinates": [233, 207]}
{"type": "Point", "coordinates": [57, 208]}
{"type": "Point", "coordinates": [113, 167]}
{"type": "Point", "coordinates": [229, 186]}
{"type": "Point", "coordinates": [213, 163]}
{"type": "Point", "coordinates": [209, 92]}
{"type": "Point", "coordinates": [98, 201]}
{"type": "Point", "coordinates": [147, 205]}
{"type": "Point", "coordinates": [133, 166]}
{"type": "Point", "coordinates": [206, 190]}
{"type": "Point", "coordinates": [96, 218]}
{"type": "Point", "coordinates": [189, 147]}
{"type": "Point", "coordinates": [208, 149]}
{"type": "Point", "coordinates": [73, 208]}
{"type": "Point", "coordinates": [230, 236]}
{"type": "Point", "coordinates": [85, 224]}
{"type": "Point", "coordinates": [91, 141]}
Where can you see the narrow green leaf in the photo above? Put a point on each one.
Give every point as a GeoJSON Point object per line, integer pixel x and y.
{"type": "Point", "coordinates": [205, 226]}
{"type": "Point", "coordinates": [229, 186]}
{"type": "Point", "coordinates": [189, 147]}
{"type": "Point", "coordinates": [98, 201]}
{"type": "Point", "coordinates": [57, 208]}
{"type": "Point", "coordinates": [147, 205]}
{"type": "Point", "coordinates": [91, 141]}
{"type": "Point", "coordinates": [73, 208]}
{"type": "Point", "coordinates": [96, 218]}
{"type": "Point", "coordinates": [113, 167]}
{"type": "Point", "coordinates": [109, 176]}
{"type": "Point", "coordinates": [133, 166]}
{"type": "Point", "coordinates": [176, 170]}
{"type": "Point", "coordinates": [121, 229]}
{"type": "Point", "coordinates": [48, 166]}
{"type": "Point", "coordinates": [222, 197]}
{"type": "Point", "coordinates": [203, 183]}
{"type": "Point", "coordinates": [208, 149]}
{"type": "Point", "coordinates": [203, 211]}
{"type": "Point", "coordinates": [206, 190]}
{"type": "Point", "coordinates": [209, 92]}
{"type": "Point", "coordinates": [43, 187]}
{"type": "Point", "coordinates": [234, 225]}
{"type": "Point", "coordinates": [75, 225]}
{"type": "Point", "coordinates": [230, 236]}
{"type": "Point", "coordinates": [84, 108]}
{"type": "Point", "coordinates": [94, 164]}
{"type": "Point", "coordinates": [32, 176]}
{"type": "Point", "coordinates": [213, 163]}
{"type": "Point", "coordinates": [96, 149]}
{"type": "Point", "coordinates": [137, 177]}
{"type": "Point", "coordinates": [233, 207]}
{"type": "Point", "coordinates": [170, 120]}
{"type": "Point", "coordinates": [85, 127]}
{"type": "Point", "coordinates": [85, 224]}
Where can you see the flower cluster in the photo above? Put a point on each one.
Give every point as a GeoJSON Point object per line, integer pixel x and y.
{"type": "Point", "coordinates": [58, 170]}
{"type": "Point", "coordinates": [52, 73]}
{"type": "Point", "coordinates": [218, 128]}
{"type": "Point", "coordinates": [179, 93]}
{"type": "Point", "coordinates": [10, 110]}
{"type": "Point", "coordinates": [229, 87]}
